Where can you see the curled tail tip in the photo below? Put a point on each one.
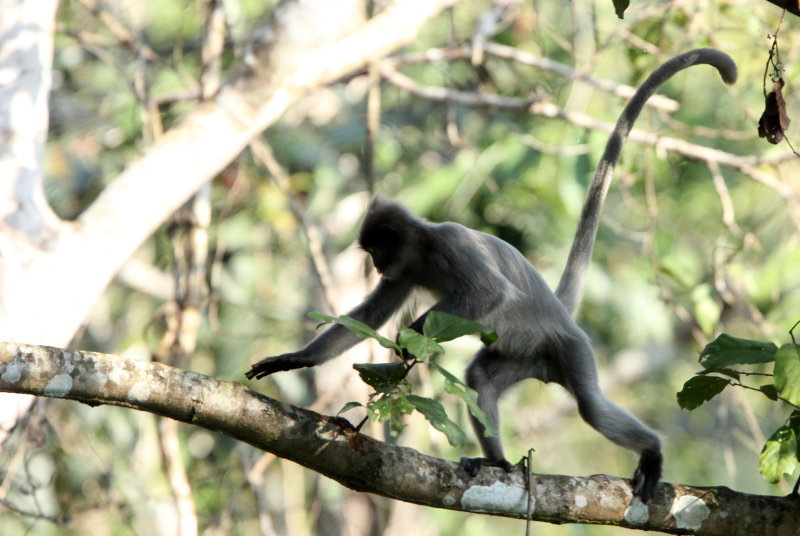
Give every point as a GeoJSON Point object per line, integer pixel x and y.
{"type": "Point", "coordinates": [720, 61]}
{"type": "Point", "coordinates": [730, 77]}
{"type": "Point", "coordinates": [729, 74]}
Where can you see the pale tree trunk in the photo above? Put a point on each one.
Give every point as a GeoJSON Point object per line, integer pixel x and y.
{"type": "Point", "coordinates": [28, 226]}
{"type": "Point", "coordinates": [51, 271]}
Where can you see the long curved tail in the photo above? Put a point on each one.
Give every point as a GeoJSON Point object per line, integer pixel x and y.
{"type": "Point", "coordinates": [570, 288]}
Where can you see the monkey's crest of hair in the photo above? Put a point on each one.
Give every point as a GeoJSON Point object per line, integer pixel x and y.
{"type": "Point", "coordinates": [384, 224]}
{"type": "Point", "coordinates": [387, 229]}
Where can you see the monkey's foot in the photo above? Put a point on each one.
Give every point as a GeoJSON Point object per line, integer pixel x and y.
{"type": "Point", "coordinates": [645, 479]}
{"type": "Point", "coordinates": [473, 465]}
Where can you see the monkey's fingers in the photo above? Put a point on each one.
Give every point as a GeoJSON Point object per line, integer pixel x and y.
{"type": "Point", "coordinates": [407, 356]}
{"type": "Point", "coordinates": [473, 465]}
{"type": "Point", "coordinates": [268, 365]}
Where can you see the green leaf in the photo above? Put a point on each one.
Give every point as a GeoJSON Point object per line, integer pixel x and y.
{"type": "Point", "coordinates": [448, 376]}
{"type": "Point", "coordinates": [455, 386]}
{"type": "Point", "coordinates": [349, 406]}
{"type": "Point", "coordinates": [794, 422]}
{"type": "Point", "coordinates": [724, 371]}
{"type": "Point", "coordinates": [359, 328]}
{"type": "Point", "coordinates": [779, 455]}
{"type": "Point", "coordinates": [769, 391]}
{"type": "Point", "coordinates": [420, 346]}
{"type": "Point", "coordinates": [436, 415]}
{"type": "Point", "coordinates": [699, 390]}
{"type": "Point", "coordinates": [726, 350]}
{"type": "Point", "coordinates": [381, 376]}
{"type": "Point", "coordinates": [325, 318]}
{"type": "Point", "coordinates": [390, 408]}
{"type": "Point", "coordinates": [787, 373]}
{"type": "Point", "coordinates": [444, 327]}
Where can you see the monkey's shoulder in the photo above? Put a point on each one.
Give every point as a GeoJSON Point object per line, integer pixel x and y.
{"type": "Point", "coordinates": [467, 238]}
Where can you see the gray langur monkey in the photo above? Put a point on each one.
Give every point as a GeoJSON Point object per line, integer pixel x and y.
{"type": "Point", "coordinates": [482, 278]}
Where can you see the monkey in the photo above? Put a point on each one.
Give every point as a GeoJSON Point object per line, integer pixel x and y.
{"type": "Point", "coordinates": [480, 277]}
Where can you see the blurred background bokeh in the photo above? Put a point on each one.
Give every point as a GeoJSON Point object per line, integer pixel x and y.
{"type": "Point", "coordinates": [687, 249]}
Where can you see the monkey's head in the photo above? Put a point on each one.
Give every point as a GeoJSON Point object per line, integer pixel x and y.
{"type": "Point", "coordinates": [387, 234]}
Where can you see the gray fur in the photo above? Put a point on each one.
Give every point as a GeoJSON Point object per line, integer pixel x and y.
{"type": "Point", "coordinates": [482, 278]}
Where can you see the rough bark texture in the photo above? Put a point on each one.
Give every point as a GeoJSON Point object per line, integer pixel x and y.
{"type": "Point", "coordinates": [332, 447]}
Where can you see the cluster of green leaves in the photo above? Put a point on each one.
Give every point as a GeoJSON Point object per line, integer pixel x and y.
{"type": "Point", "coordinates": [392, 397]}
{"type": "Point", "coordinates": [781, 452]}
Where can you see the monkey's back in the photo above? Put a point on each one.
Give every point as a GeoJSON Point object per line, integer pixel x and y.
{"type": "Point", "coordinates": [518, 303]}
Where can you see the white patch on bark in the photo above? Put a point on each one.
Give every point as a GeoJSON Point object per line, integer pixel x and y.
{"type": "Point", "coordinates": [140, 392]}
{"type": "Point", "coordinates": [58, 386]}
{"type": "Point", "coordinates": [689, 512]}
{"type": "Point", "coordinates": [498, 497]}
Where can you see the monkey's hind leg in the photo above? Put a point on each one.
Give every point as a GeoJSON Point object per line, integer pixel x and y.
{"type": "Point", "coordinates": [580, 374]}
{"type": "Point", "coordinates": [489, 374]}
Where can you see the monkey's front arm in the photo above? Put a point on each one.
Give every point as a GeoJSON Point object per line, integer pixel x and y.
{"type": "Point", "coordinates": [374, 311]}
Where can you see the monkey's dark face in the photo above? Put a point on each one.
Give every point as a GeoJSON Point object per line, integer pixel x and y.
{"type": "Point", "coordinates": [388, 235]}
{"type": "Point", "coordinates": [382, 242]}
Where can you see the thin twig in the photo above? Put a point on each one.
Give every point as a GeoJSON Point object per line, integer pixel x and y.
{"type": "Point", "coordinates": [725, 201]}
{"type": "Point", "coordinates": [746, 165]}
{"type": "Point", "coordinates": [456, 96]}
{"type": "Point", "coordinates": [58, 520]}
{"type": "Point", "coordinates": [791, 334]}
{"type": "Point", "coordinates": [373, 123]}
{"type": "Point", "coordinates": [529, 516]}
{"type": "Point", "coordinates": [498, 16]}
{"type": "Point", "coordinates": [213, 46]}
{"type": "Point", "coordinates": [464, 52]}
{"type": "Point", "coordinates": [782, 399]}
{"type": "Point", "coordinates": [263, 153]}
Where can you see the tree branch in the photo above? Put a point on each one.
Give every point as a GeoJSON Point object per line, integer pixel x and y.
{"type": "Point", "coordinates": [506, 52]}
{"type": "Point", "coordinates": [303, 46]}
{"type": "Point", "coordinates": [333, 447]}
{"type": "Point", "coordinates": [748, 165]}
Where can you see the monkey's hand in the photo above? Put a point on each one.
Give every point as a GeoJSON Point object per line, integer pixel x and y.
{"type": "Point", "coordinates": [268, 365]}
{"type": "Point", "coordinates": [473, 465]}
{"type": "Point", "coordinates": [645, 479]}
{"type": "Point", "coordinates": [406, 355]}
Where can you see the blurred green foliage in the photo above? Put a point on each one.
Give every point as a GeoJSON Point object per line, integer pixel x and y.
{"type": "Point", "coordinates": [665, 266]}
